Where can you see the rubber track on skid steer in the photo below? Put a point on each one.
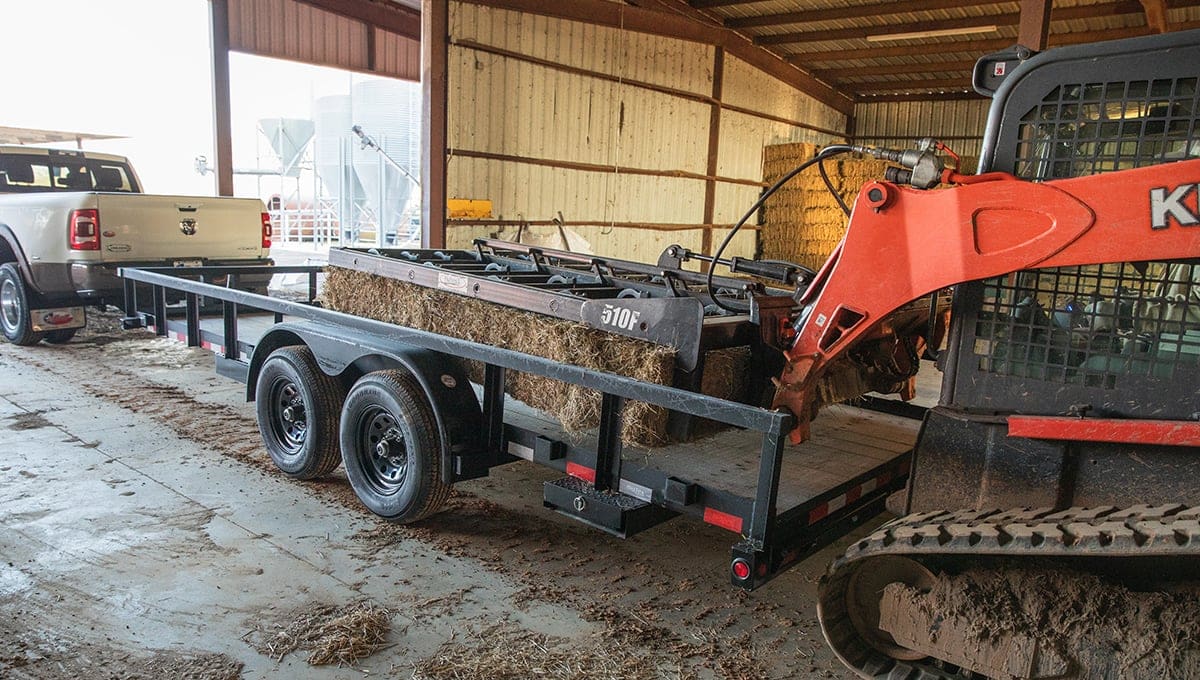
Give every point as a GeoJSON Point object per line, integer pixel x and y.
{"type": "Point", "coordinates": [1136, 531]}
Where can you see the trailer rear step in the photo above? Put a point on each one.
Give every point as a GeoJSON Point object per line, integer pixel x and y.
{"type": "Point", "coordinates": [614, 513]}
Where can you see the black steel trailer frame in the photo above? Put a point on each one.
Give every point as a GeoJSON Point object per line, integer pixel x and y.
{"type": "Point", "coordinates": [621, 496]}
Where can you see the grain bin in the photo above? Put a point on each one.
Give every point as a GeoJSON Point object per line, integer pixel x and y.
{"type": "Point", "coordinates": [388, 111]}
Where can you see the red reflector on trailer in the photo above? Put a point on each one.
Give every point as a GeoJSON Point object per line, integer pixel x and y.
{"type": "Point", "coordinates": [580, 472]}
{"type": "Point", "coordinates": [741, 569]}
{"type": "Point", "coordinates": [723, 520]}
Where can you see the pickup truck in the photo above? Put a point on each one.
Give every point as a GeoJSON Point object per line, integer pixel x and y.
{"type": "Point", "coordinates": [69, 219]}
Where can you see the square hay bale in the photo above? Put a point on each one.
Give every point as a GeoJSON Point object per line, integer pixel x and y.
{"type": "Point", "coordinates": [577, 408]}
{"type": "Point", "coordinates": [803, 222]}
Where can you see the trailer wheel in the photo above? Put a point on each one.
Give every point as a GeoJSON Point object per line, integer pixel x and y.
{"type": "Point", "coordinates": [14, 308]}
{"type": "Point", "coordinates": [298, 407]}
{"type": "Point", "coordinates": [391, 447]}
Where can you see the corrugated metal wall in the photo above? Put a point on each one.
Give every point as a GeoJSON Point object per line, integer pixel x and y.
{"type": "Point", "coordinates": [898, 124]}
{"type": "Point", "coordinates": [291, 30]}
{"type": "Point", "coordinates": [609, 128]}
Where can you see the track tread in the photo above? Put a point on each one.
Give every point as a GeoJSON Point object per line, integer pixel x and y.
{"type": "Point", "coordinates": [1135, 531]}
{"type": "Point", "coordinates": [1138, 530]}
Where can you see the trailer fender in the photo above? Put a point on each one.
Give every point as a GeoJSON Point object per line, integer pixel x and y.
{"type": "Point", "coordinates": [349, 355]}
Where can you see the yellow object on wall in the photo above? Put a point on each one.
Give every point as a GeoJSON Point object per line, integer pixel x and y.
{"type": "Point", "coordinates": [473, 208]}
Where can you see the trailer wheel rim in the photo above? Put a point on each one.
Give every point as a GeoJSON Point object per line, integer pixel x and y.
{"type": "Point", "coordinates": [384, 450]}
{"type": "Point", "coordinates": [290, 418]}
{"type": "Point", "coordinates": [10, 305]}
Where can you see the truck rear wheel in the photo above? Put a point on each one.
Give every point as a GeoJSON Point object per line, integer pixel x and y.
{"type": "Point", "coordinates": [298, 406]}
{"type": "Point", "coordinates": [14, 308]}
{"type": "Point", "coordinates": [391, 447]}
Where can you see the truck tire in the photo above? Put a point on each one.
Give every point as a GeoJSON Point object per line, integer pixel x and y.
{"type": "Point", "coordinates": [298, 406]}
{"type": "Point", "coordinates": [391, 447]}
{"type": "Point", "coordinates": [14, 307]}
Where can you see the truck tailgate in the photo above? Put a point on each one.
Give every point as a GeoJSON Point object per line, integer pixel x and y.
{"type": "Point", "coordinates": [179, 228]}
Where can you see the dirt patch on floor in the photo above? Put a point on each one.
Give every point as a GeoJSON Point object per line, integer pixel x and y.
{"type": "Point", "coordinates": [670, 579]}
{"type": "Point", "coordinates": [1106, 628]}
{"type": "Point", "coordinates": [41, 655]}
{"type": "Point", "coordinates": [31, 420]}
{"type": "Point", "coordinates": [329, 634]}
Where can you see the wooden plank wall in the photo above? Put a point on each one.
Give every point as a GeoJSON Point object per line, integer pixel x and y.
{"type": "Point", "coordinates": [638, 141]}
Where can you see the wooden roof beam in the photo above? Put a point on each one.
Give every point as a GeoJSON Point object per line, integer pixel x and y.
{"type": "Point", "coordinates": [919, 97]}
{"type": "Point", "coordinates": [971, 46]}
{"type": "Point", "coordinates": [807, 59]}
{"type": "Point", "coordinates": [838, 13]}
{"type": "Point", "coordinates": [894, 69]}
{"type": "Point", "coordinates": [706, 4]}
{"type": "Point", "coordinates": [1006, 19]}
{"type": "Point", "coordinates": [960, 84]}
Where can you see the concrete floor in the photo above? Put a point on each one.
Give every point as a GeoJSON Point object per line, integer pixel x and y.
{"type": "Point", "coordinates": [141, 518]}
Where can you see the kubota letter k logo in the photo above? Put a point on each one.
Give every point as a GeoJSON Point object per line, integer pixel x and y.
{"type": "Point", "coordinates": [1164, 206]}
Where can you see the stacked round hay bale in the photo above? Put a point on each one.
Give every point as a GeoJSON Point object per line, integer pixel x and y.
{"type": "Point", "coordinates": [577, 408]}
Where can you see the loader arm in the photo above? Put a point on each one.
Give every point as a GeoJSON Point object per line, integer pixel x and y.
{"type": "Point", "coordinates": [903, 243]}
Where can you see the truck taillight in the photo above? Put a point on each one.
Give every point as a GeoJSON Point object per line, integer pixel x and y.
{"type": "Point", "coordinates": [83, 229]}
{"type": "Point", "coordinates": [266, 230]}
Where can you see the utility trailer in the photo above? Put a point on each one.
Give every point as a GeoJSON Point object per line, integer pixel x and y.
{"type": "Point", "coordinates": [1062, 451]}
{"type": "Point", "coordinates": [782, 505]}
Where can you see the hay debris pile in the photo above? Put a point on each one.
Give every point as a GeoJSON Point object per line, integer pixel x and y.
{"type": "Point", "coordinates": [578, 408]}
{"type": "Point", "coordinates": [330, 634]}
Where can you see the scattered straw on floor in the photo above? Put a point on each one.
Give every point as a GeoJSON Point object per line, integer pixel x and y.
{"type": "Point", "coordinates": [330, 634]}
{"type": "Point", "coordinates": [502, 653]}
{"type": "Point", "coordinates": [466, 318]}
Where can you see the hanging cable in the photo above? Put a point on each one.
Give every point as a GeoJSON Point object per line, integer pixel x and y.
{"type": "Point", "coordinates": [837, 196]}
{"type": "Point", "coordinates": [827, 152]}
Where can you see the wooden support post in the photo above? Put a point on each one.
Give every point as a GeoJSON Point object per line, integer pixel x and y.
{"type": "Point", "coordinates": [435, 29]}
{"type": "Point", "coordinates": [1034, 29]}
{"type": "Point", "coordinates": [1156, 15]}
{"type": "Point", "coordinates": [714, 145]}
{"type": "Point", "coordinates": [218, 22]}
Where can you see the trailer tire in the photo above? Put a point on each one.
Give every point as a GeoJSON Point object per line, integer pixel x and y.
{"type": "Point", "coordinates": [15, 303]}
{"type": "Point", "coordinates": [391, 447]}
{"type": "Point", "coordinates": [298, 406]}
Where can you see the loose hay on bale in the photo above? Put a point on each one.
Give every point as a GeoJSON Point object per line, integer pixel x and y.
{"type": "Point", "coordinates": [457, 316]}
